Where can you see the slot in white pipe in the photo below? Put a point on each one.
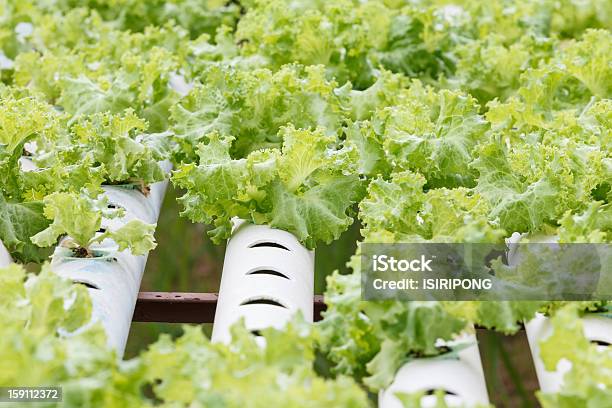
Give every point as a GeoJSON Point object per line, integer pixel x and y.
{"type": "Point", "coordinates": [268, 276]}
{"type": "Point", "coordinates": [113, 279]}
{"type": "Point", "coordinates": [5, 257]}
{"type": "Point", "coordinates": [462, 379]}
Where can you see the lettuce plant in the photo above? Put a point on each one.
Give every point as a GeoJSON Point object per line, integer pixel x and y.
{"type": "Point", "coordinates": [80, 218]}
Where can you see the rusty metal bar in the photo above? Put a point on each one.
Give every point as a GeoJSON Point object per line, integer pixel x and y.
{"type": "Point", "coordinates": [185, 307]}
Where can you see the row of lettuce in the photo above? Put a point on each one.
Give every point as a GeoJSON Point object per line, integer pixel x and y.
{"type": "Point", "coordinates": [426, 121]}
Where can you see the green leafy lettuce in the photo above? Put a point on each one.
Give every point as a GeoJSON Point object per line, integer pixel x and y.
{"type": "Point", "coordinates": [80, 217]}
{"type": "Point", "coordinates": [307, 187]}
{"type": "Point", "coordinates": [46, 325]}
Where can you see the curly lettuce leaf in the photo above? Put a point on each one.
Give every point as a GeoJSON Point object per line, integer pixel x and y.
{"type": "Point", "coordinates": [399, 210]}
{"type": "Point", "coordinates": [363, 136]}
{"type": "Point", "coordinates": [25, 116]}
{"type": "Point", "coordinates": [18, 222]}
{"type": "Point", "coordinates": [113, 140]}
{"type": "Point", "coordinates": [362, 104]}
{"type": "Point", "coordinates": [306, 188]}
{"type": "Point", "coordinates": [588, 60]}
{"type": "Point", "coordinates": [198, 17]}
{"type": "Point", "coordinates": [44, 318]}
{"type": "Point", "coordinates": [488, 68]}
{"type": "Point", "coordinates": [279, 374]}
{"type": "Point", "coordinates": [107, 70]}
{"type": "Point", "coordinates": [578, 75]}
{"type": "Point", "coordinates": [143, 84]}
{"type": "Point", "coordinates": [421, 41]}
{"type": "Point", "coordinates": [114, 145]}
{"type": "Point", "coordinates": [594, 224]}
{"type": "Point", "coordinates": [252, 105]}
{"type": "Point", "coordinates": [71, 214]}
{"type": "Point", "coordinates": [80, 218]}
{"type": "Point", "coordinates": [135, 235]}
{"type": "Point", "coordinates": [434, 133]}
{"type": "Point", "coordinates": [336, 34]}
{"type": "Point", "coordinates": [530, 185]}
{"type": "Point", "coordinates": [46, 323]}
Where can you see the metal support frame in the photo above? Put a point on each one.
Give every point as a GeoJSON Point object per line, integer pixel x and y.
{"type": "Point", "coordinates": [186, 307]}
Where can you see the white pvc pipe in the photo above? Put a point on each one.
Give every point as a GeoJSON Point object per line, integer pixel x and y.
{"type": "Point", "coordinates": [596, 328]}
{"type": "Point", "coordinates": [268, 276]}
{"type": "Point", "coordinates": [538, 329]}
{"type": "Point", "coordinates": [5, 257]}
{"type": "Point", "coordinates": [461, 379]}
{"type": "Point", "coordinates": [27, 164]}
{"type": "Point", "coordinates": [114, 277]}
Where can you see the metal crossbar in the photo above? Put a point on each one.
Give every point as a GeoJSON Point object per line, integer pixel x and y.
{"type": "Point", "coordinates": [186, 307]}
